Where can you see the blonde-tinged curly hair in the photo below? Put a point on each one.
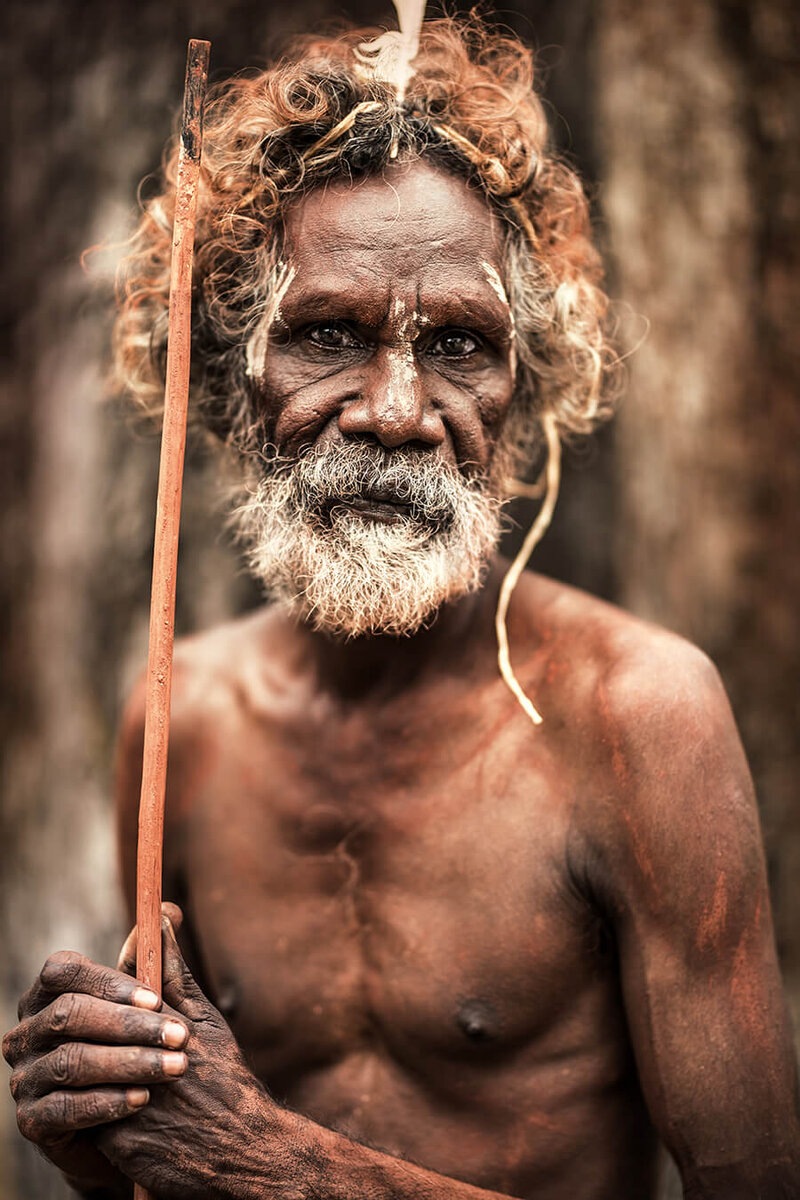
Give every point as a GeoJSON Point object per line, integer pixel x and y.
{"type": "Point", "coordinates": [470, 109]}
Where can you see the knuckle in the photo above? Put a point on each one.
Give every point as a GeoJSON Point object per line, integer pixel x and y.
{"type": "Point", "coordinates": [62, 1108]}
{"type": "Point", "coordinates": [138, 1026]}
{"type": "Point", "coordinates": [62, 1011]}
{"type": "Point", "coordinates": [97, 1107]}
{"type": "Point", "coordinates": [90, 1106]}
{"type": "Point", "coordinates": [16, 1083]}
{"type": "Point", "coordinates": [154, 1065]}
{"type": "Point", "coordinates": [108, 985]}
{"type": "Point", "coordinates": [61, 969]}
{"type": "Point", "coordinates": [61, 1063]}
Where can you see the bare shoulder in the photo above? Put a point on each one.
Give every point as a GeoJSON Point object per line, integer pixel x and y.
{"type": "Point", "coordinates": [245, 659]}
{"type": "Point", "coordinates": [600, 664]}
{"type": "Point", "coordinates": [237, 664]}
{"type": "Point", "coordinates": [664, 799]}
{"type": "Point", "coordinates": [223, 678]}
{"type": "Point", "coordinates": [643, 710]}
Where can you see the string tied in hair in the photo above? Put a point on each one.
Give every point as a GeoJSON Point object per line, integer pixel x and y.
{"type": "Point", "coordinates": [512, 576]}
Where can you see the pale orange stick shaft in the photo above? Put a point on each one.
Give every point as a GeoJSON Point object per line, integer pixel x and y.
{"type": "Point", "coordinates": [165, 553]}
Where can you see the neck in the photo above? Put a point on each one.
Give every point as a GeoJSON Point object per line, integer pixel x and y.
{"type": "Point", "coordinates": [385, 665]}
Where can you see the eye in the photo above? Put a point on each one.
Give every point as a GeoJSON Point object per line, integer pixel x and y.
{"type": "Point", "coordinates": [455, 343]}
{"type": "Point", "coordinates": [332, 335]}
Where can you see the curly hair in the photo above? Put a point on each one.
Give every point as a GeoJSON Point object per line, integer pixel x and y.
{"type": "Point", "coordinates": [270, 137]}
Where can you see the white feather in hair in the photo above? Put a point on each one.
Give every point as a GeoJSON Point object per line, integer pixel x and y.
{"type": "Point", "coordinates": [389, 57]}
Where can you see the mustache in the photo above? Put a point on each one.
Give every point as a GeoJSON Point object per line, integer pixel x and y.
{"type": "Point", "coordinates": [428, 488]}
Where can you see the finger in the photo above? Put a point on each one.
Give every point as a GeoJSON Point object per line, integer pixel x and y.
{"type": "Point", "coordinates": [53, 1116]}
{"type": "Point", "coordinates": [178, 985]}
{"type": "Point", "coordinates": [75, 1017]}
{"type": "Point", "coordinates": [78, 1065]}
{"type": "Point", "coordinates": [127, 955]}
{"type": "Point", "coordinates": [68, 971]}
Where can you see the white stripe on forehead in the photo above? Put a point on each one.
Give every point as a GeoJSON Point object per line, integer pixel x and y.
{"type": "Point", "coordinates": [496, 284]}
{"type": "Point", "coordinates": [256, 349]}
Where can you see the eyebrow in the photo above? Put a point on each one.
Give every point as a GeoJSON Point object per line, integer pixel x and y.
{"type": "Point", "coordinates": [348, 299]}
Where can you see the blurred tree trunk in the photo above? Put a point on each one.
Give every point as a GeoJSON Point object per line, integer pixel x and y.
{"type": "Point", "coordinates": [697, 128]}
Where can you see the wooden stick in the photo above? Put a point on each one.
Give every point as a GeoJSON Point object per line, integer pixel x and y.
{"type": "Point", "coordinates": [165, 552]}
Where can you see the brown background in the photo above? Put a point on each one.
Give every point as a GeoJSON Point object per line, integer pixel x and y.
{"type": "Point", "coordinates": [683, 119]}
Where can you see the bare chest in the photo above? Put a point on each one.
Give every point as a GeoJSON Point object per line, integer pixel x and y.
{"type": "Point", "coordinates": [386, 894]}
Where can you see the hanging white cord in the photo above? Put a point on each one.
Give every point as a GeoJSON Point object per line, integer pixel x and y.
{"type": "Point", "coordinates": [532, 538]}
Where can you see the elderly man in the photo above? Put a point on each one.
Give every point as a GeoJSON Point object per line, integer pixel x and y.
{"type": "Point", "coordinates": [436, 950]}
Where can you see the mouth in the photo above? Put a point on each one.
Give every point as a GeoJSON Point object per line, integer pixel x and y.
{"type": "Point", "coordinates": [375, 507]}
{"type": "Point", "coordinates": [383, 505]}
{"type": "Point", "coordinates": [388, 511]}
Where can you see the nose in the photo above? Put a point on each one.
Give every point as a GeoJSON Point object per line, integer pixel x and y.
{"type": "Point", "coordinates": [392, 405]}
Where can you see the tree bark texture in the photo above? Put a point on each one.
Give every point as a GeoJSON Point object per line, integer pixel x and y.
{"type": "Point", "coordinates": [698, 136]}
{"type": "Point", "coordinates": [682, 117]}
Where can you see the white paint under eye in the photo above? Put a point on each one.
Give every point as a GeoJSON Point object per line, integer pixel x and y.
{"type": "Point", "coordinates": [256, 349]}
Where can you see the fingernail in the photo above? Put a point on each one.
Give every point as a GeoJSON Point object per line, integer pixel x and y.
{"type": "Point", "coordinates": [173, 1034]}
{"type": "Point", "coordinates": [144, 998]}
{"type": "Point", "coordinates": [136, 1097]}
{"type": "Point", "coordinates": [173, 1062]}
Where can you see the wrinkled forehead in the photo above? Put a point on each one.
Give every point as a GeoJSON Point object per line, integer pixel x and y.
{"type": "Point", "coordinates": [414, 230]}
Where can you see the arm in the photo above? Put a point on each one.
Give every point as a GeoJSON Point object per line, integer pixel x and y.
{"type": "Point", "coordinates": [682, 872]}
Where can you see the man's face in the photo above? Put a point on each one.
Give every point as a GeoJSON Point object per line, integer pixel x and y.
{"type": "Point", "coordinates": [387, 377]}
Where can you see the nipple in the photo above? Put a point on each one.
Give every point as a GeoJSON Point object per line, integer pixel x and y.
{"type": "Point", "coordinates": [475, 1020]}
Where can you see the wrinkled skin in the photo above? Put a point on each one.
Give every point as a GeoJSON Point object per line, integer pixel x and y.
{"type": "Point", "coordinates": [466, 957]}
{"type": "Point", "coordinates": [55, 1077]}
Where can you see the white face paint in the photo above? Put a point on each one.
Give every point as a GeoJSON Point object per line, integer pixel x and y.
{"type": "Point", "coordinates": [256, 349]}
{"type": "Point", "coordinates": [496, 284]}
{"type": "Point", "coordinates": [406, 324]}
{"type": "Point", "coordinates": [402, 375]}
{"type": "Point", "coordinates": [400, 357]}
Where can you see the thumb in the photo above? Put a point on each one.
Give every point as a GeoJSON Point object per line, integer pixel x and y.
{"type": "Point", "coordinates": [127, 955]}
{"type": "Point", "coordinates": [179, 988]}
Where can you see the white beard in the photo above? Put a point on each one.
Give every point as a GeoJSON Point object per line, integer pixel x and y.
{"type": "Point", "coordinates": [350, 575]}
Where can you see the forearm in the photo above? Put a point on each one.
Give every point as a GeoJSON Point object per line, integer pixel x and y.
{"type": "Point", "coordinates": [316, 1163]}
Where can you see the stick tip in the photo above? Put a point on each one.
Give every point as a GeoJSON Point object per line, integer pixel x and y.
{"type": "Point", "coordinates": [199, 48]}
{"type": "Point", "coordinates": [197, 59]}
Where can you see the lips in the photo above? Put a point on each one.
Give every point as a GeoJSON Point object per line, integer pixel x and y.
{"type": "Point", "coordinates": [375, 507]}
{"type": "Point", "coordinates": [383, 504]}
